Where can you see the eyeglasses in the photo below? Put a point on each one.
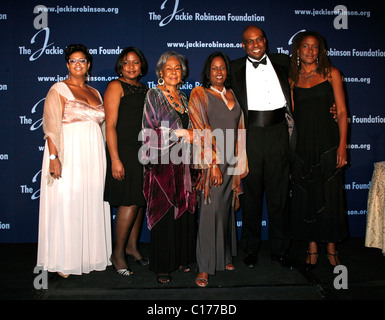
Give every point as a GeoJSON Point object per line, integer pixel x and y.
{"type": "Point", "coordinates": [73, 61]}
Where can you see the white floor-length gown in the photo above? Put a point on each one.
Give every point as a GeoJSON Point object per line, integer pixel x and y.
{"type": "Point", "coordinates": [74, 221]}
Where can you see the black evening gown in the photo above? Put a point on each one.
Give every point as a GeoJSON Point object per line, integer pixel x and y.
{"type": "Point", "coordinates": [317, 189]}
{"type": "Point", "coordinates": [129, 191]}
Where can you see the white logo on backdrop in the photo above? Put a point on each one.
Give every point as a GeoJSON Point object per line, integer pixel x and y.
{"type": "Point", "coordinates": [36, 55]}
{"type": "Point", "coordinates": [290, 42]}
{"type": "Point", "coordinates": [25, 120]}
{"type": "Point", "coordinates": [177, 14]}
{"type": "Point", "coordinates": [47, 48]}
{"type": "Point", "coordinates": [40, 23]}
{"type": "Point", "coordinates": [26, 189]}
{"type": "Point", "coordinates": [171, 16]}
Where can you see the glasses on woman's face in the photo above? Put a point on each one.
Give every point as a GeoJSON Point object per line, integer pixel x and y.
{"type": "Point", "coordinates": [73, 61]}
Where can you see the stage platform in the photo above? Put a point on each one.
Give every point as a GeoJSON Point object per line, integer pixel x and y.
{"type": "Point", "coordinates": [268, 280]}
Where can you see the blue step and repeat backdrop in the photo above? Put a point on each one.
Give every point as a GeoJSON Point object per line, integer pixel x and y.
{"type": "Point", "coordinates": [32, 59]}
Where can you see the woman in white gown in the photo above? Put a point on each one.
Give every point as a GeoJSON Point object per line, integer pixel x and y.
{"type": "Point", "coordinates": [74, 221]}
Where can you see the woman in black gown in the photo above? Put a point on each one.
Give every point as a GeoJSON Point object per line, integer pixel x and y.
{"type": "Point", "coordinates": [318, 212]}
{"type": "Point", "coordinates": [124, 100]}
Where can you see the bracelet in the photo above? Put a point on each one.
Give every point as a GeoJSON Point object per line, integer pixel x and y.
{"type": "Point", "coordinates": [115, 159]}
{"type": "Point", "coordinates": [214, 166]}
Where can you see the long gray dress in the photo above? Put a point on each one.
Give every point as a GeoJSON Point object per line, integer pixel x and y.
{"type": "Point", "coordinates": [217, 240]}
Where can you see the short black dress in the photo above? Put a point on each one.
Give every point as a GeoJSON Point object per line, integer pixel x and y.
{"type": "Point", "coordinates": [317, 189]}
{"type": "Point", "coordinates": [129, 191]}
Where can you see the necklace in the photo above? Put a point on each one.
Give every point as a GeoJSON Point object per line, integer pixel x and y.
{"type": "Point", "coordinates": [179, 107]}
{"type": "Point", "coordinates": [222, 93]}
{"type": "Point", "coordinates": [307, 76]}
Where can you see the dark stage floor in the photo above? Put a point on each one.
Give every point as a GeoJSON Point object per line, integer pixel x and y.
{"type": "Point", "coordinates": [268, 280]}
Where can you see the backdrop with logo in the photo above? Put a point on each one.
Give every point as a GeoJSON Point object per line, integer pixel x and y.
{"type": "Point", "coordinates": [32, 60]}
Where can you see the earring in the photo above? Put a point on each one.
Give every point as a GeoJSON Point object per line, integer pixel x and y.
{"type": "Point", "coordinates": [298, 61]}
{"type": "Point", "coordinates": [161, 81]}
{"type": "Point", "coordinates": [88, 77]}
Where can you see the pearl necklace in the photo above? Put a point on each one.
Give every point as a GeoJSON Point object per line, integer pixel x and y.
{"type": "Point", "coordinates": [222, 93]}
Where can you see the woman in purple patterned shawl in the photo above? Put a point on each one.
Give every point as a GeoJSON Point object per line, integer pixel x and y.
{"type": "Point", "coordinates": [167, 186]}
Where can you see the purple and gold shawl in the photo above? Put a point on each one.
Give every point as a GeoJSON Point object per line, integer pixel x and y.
{"type": "Point", "coordinates": [165, 185]}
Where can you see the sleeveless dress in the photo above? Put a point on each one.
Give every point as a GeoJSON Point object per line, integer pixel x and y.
{"type": "Point", "coordinates": [217, 239]}
{"type": "Point", "coordinates": [317, 200]}
{"type": "Point", "coordinates": [129, 191]}
{"type": "Point", "coordinates": [74, 221]}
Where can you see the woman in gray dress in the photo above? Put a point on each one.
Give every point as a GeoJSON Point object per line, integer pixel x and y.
{"type": "Point", "coordinates": [218, 121]}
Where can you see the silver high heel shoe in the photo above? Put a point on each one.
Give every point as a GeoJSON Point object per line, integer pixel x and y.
{"type": "Point", "coordinates": [124, 272]}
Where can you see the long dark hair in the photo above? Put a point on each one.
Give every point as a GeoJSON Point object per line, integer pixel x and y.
{"type": "Point", "coordinates": [324, 64]}
{"type": "Point", "coordinates": [206, 83]}
{"type": "Point", "coordinates": [123, 53]}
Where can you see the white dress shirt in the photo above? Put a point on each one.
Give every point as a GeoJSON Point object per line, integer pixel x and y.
{"type": "Point", "coordinates": [264, 91]}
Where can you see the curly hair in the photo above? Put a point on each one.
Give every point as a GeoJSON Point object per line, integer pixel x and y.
{"type": "Point", "coordinates": [207, 67]}
{"type": "Point", "coordinates": [72, 48]}
{"type": "Point", "coordinates": [324, 65]}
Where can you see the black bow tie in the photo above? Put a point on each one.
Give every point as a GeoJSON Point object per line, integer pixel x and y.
{"type": "Point", "coordinates": [256, 63]}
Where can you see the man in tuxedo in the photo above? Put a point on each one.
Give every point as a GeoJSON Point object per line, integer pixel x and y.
{"type": "Point", "coordinates": [260, 83]}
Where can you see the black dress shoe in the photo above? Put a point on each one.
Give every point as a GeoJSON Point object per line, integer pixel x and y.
{"type": "Point", "coordinates": [142, 262]}
{"type": "Point", "coordinates": [308, 265]}
{"type": "Point", "coordinates": [250, 260]}
{"type": "Point", "coordinates": [285, 261]}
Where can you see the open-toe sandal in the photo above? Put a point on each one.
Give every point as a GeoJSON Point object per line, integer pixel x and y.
{"type": "Point", "coordinates": [184, 269]}
{"type": "Point", "coordinates": [200, 281]}
{"type": "Point", "coordinates": [163, 278]}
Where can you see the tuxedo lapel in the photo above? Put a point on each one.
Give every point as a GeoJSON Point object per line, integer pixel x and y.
{"type": "Point", "coordinates": [238, 71]}
{"type": "Point", "coordinates": [283, 81]}
{"type": "Point", "coordinates": [238, 79]}
{"type": "Point", "coordinates": [239, 84]}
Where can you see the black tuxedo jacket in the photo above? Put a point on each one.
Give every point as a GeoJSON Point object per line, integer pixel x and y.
{"type": "Point", "coordinates": [281, 64]}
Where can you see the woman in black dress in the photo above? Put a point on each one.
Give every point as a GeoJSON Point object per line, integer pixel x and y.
{"type": "Point", "coordinates": [124, 100]}
{"type": "Point", "coordinates": [318, 209]}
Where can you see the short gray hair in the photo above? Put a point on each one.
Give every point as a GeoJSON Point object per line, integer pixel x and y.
{"type": "Point", "coordinates": [163, 59]}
